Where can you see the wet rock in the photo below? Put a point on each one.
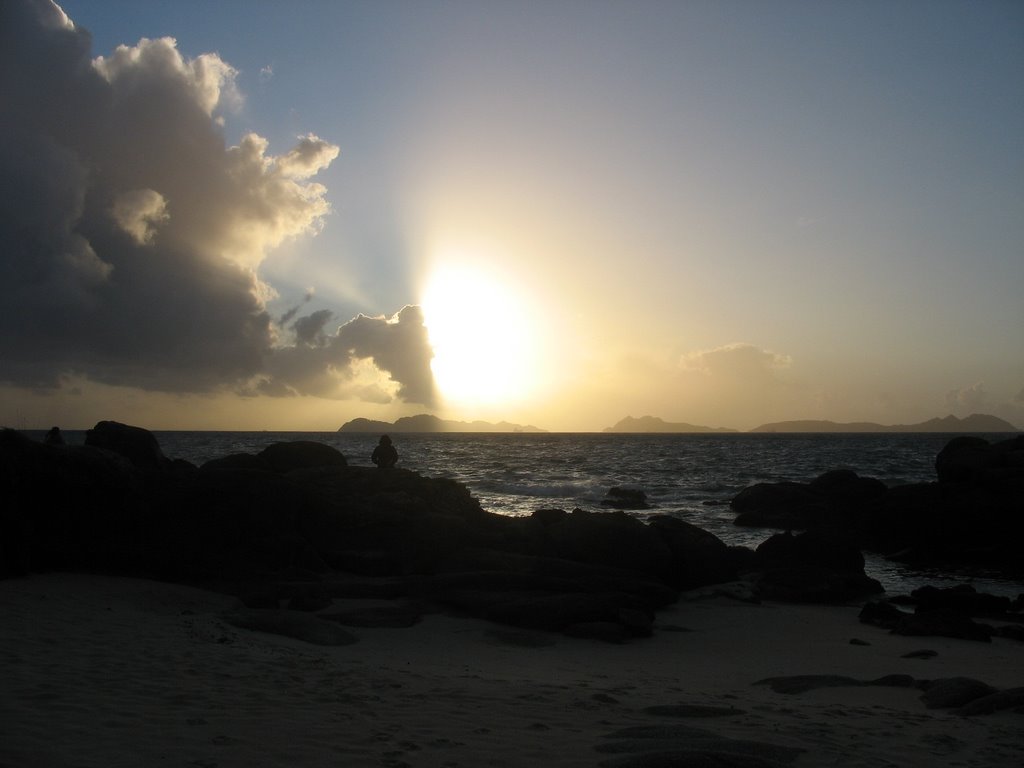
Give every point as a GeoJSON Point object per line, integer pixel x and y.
{"type": "Point", "coordinates": [951, 692]}
{"type": "Point", "coordinates": [625, 498]}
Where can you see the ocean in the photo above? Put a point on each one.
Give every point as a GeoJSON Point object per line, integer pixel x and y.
{"type": "Point", "coordinates": [689, 476]}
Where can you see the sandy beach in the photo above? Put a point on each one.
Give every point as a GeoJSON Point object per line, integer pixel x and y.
{"type": "Point", "coordinates": [102, 671]}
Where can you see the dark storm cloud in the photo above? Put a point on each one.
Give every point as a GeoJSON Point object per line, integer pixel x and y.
{"type": "Point", "coordinates": [131, 235]}
{"type": "Point", "coordinates": [310, 329]}
{"type": "Point", "coordinates": [325, 365]}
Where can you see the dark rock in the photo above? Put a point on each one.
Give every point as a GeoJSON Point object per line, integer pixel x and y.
{"type": "Point", "coordinates": [239, 461]}
{"type": "Point", "coordinates": [847, 486]}
{"type": "Point", "coordinates": [810, 584]}
{"type": "Point", "coordinates": [832, 499]}
{"type": "Point", "coordinates": [1012, 699]}
{"type": "Point", "coordinates": [971, 517]}
{"type": "Point", "coordinates": [1011, 631]}
{"type": "Point", "coordinates": [560, 610]}
{"type": "Point", "coordinates": [964, 459]}
{"type": "Point", "coordinates": [784, 505]}
{"type": "Point", "coordinates": [309, 600]}
{"type": "Point", "coordinates": [301, 454]}
{"type": "Point", "coordinates": [858, 641]}
{"type": "Point", "coordinates": [599, 538]}
{"type": "Point", "coordinates": [822, 549]}
{"type": "Point", "coordinates": [894, 681]}
{"type": "Point", "coordinates": [605, 631]}
{"type": "Point", "coordinates": [962, 599]}
{"type": "Point", "coordinates": [924, 653]}
{"type": "Point", "coordinates": [136, 444]}
{"type": "Point", "coordinates": [881, 614]}
{"type": "Point", "coordinates": [815, 566]}
{"type": "Point", "coordinates": [943, 623]}
{"type": "Point", "coordinates": [653, 746]}
{"type": "Point", "coordinates": [720, 754]}
{"type": "Point", "coordinates": [692, 710]}
{"type": "Point", "coordinates": [625, 498]}
{"type": "Point", "coordinates": [375, 616]}
{"type": "Point", "coordinates": [953, 692]}
{"type": "Point", "coordinates": [295, 624]}
{"type": "Point", "coordinates": [548, 516]}
{"type": "Point", "coordinates": [698, 557]}
{"type": "Point", "coordinates": [802, 683]}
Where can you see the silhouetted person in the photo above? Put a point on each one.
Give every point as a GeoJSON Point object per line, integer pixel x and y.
{"type": "Point", "coordinates": [384, 455]}
{"type": "Point", "coordinates": [54, 437]}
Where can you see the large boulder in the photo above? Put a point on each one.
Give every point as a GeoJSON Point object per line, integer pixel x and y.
{"type": "Point", "coordinates": [832, 499]}
{"type": "Point", "coordinates": [699, 557]}
{"type": "Point", "coordinates": [973, 516]}
{"type": "Point", "coordinates": [68, 507]}
{"type": "Point", "coordinates": [785, 505]}
{"type": "Point", "coordinates": [136, 444]}
{"type": "Point", "coordinates": [598, 538]}
{"type": "Point", "coordinates": [815, 566]}
{"type": "Point", "coordinates": [973, 460]}
{"type": "Point", "coordinates": [301, 454]}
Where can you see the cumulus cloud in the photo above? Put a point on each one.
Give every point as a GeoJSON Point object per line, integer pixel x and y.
{"type": "Point", "coordinates": [131, 235]}
{"type": "Point", "coordinates": [334, 364]}
{"type": "Point", "coordinates": [138, 212]}
{"type": "Point", "coordinates": [738, 362]}
{"type": "Point", "coordinates": [969, 399]}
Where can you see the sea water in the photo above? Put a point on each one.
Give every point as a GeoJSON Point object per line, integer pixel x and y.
{"type": "Point", "coordinates": [691, 477]}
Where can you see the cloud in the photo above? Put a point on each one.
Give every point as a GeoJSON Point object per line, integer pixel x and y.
{"type": "Point", "coordinates": [378, 359]}
{"type": "Point", "coordinates": [138, 212]}
{"type": "Point", "coordinates": [309, 330]}
{"type": "Point", "coordinates": [736, 362]}
{"type": "Point", "coordinates": [971, 399]}
{"type": "Point", "coordinates": [131, 235]}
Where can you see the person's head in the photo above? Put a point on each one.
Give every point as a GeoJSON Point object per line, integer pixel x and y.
{"type": "Point", "coordinates": [385, 440]}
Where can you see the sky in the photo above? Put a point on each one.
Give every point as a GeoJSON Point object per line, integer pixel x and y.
{"type": "Point", "coordinates": [282, 216]}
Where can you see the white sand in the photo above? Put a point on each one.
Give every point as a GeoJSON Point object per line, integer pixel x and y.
{"type": "Point", "coordinates": [110, 672]}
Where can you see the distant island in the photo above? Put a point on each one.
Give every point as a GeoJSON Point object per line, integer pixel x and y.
{"type": "Point", "coordinates": [654, 424]}
{"type": "Point", "coordinates": [428, 423]}
{"type": "Point", "coordinates": [976, 422]}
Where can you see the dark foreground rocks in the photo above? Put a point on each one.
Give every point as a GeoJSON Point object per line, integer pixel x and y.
{"type": "Point", "coordinates": [294, 526]}
{"type": "Point", "coordinates": [962, 695]}
{"type": "Point", "coordinates": [280, 527]}
{"type": "Point", "coordinates": [972, 516]}
{"type": "Point", "coordinates": [948, 612]}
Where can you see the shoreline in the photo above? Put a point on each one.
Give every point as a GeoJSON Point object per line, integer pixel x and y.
{"type": "Point", "coordinates": [109, 671]}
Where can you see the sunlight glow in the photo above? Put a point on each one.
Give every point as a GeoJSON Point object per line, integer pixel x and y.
{"type": "Point", "coordinates": [482, 336]}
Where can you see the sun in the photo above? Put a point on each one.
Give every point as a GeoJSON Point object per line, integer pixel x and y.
{"type": "Point", "coordinates": [481, 331]}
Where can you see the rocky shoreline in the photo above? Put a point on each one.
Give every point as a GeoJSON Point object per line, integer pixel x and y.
{"type": "Point", "coordinates": [295, 526]}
